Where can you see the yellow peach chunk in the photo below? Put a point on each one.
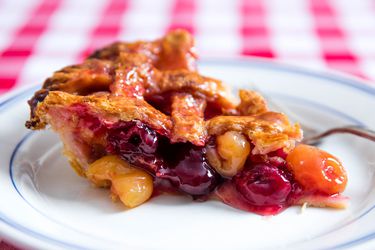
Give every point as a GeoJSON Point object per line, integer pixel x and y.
{"type": "Point", "coordinates": [133, 189]}
{"type": "Point", "coordinates": [133, 186]}
{"type": "Point", "coordinates": [101, 171]}
{"type": "Point", "coordinates": [233, 148]}
{"type": "Point", "coordinates": [316, 170]}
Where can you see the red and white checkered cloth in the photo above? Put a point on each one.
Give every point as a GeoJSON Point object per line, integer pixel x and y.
{"type": "Point", "coordinates": [38, 37]}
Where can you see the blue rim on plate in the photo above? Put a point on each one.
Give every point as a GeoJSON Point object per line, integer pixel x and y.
{"type": "Point", "coordinates": [254, 63]}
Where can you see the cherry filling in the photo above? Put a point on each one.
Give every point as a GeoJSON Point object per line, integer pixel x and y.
{"type": "Point", "coordinates": [263, 185]}
{"type": "Point", "coordinates": [183, 164]}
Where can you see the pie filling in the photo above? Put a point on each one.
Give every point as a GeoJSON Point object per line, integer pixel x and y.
{"type": "Point", "coordinates": [135, 122]}
{"type": "Point", "coordinates": [183, 165]}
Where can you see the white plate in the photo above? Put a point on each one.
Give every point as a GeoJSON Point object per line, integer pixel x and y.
{"type": "Point", "coordinates": [44, 204]}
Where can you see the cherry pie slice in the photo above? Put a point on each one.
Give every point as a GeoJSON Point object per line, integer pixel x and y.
{"type": "Point", "coordinates": [139, 119]}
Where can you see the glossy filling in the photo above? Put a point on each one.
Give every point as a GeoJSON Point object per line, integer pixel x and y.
{"type": "Point", "coordinates": [182, 164]}
{"type": "Point", "coordinates": [264, 186]}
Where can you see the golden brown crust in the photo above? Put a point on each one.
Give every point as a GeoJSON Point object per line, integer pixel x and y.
{"type": "Point", "coordinates": [136, 70]}
{"type": "Point", "coordinates": [267, 131]}
{"type": "Point", "coordinates": [251, 103]}
{"type": "Point", "coordinates": [112, 108]}
{"type": "Point", "coordinates": [90, 76]}
{"type": "Point", "coordinates": [177, 52]}
{"type": "Point", "coordinates": [194, 83]}
{"type": "Point", "coordinates": [115, 82]}
{"type": "Point", "coordinates": [188, 119]}
{"type": "Point", "coordinates": [173, 52]}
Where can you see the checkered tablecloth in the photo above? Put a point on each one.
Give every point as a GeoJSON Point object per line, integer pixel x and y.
{"type": "Point", "coordinates": [40, 36]}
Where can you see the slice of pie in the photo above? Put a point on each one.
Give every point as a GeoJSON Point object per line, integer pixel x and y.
{"type": "Point", "coordinates": [139, 119]}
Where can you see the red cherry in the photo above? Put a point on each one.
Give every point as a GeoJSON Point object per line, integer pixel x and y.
{"type": "Point", "coordinates": [263, 185]}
